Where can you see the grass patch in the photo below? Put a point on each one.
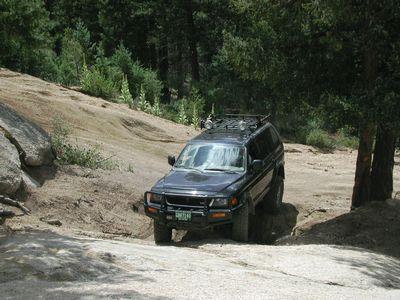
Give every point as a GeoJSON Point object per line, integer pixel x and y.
{"type": "Point", "coordinates": [312, 134]}
{"type": "Point", "coordinates": [69, 154]}
{"type": "Point", "coordinates": [320, 139]}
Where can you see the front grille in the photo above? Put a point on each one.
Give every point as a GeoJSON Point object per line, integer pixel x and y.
{"type": "Point", "coordinates": [186, 201]}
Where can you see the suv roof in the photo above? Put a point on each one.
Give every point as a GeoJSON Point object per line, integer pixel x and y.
{"type": "Point", "coordinates": [226, 128]}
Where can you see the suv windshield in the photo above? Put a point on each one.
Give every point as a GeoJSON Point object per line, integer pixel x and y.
{"type": "Point", "coordinates": [212, 157]}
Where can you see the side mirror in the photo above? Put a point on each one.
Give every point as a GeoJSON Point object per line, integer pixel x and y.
{"type": "Point", "coordinates": [171, 160]}
{"type": "Point", "coordinates": [257, 165]}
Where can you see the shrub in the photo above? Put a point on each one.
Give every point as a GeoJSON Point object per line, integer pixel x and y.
{"type": "Point", "coordinates": [156, 109]}
{"type": "Point", "coordinates": [74, 47]}
{"type": "Point", "coordinates": [344, 139]}
{"type": "Point", "coordinates": [320, 139]}
{"type": "Point", "coordinates": [126, 96]}
{"type": "Point", "coordinates": [139, 78]}
{"type": "Point", "coordinates": [94, 83]}
{"type": "Point", "coordinates": [73, 154]}
{"type": "Point", "coordinates": [195, 116]}
{"type": "Point", "coordinates": [182, 117]}
{"type": "Point", "coordinates": [143, 104]}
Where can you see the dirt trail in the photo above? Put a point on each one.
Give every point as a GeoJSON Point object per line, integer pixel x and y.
{"type": "Point", "coordinates": [49, 266]}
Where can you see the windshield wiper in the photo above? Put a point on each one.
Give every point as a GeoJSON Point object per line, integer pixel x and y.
{"type": "Point", "coordinates": [220, 170]}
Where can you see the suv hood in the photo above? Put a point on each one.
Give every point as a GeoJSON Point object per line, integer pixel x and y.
{"type": "Point", "coordinates": [196, 181]}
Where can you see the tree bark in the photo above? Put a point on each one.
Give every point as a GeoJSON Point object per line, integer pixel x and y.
{"type": "Point", "coordinates": [181, 76]}
{"type": "Point", "coordinates": [164, 68]}
{"type": "Point", "coordinates": [361, 189]}
{"type": "Point", "coordinates": [191, 37]}
{"type": "Point", "coordinates": [382, 165]}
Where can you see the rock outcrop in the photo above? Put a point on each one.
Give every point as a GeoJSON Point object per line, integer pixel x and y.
{"type": "Point", "coordinates": [10, 167]}
{"type": "Point", "coordinates": [32, 141]}
{"type": "Point", "coordinates": [22, 142]}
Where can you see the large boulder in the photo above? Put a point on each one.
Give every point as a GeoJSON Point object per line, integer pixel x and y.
{"type": "Point", "coordinates": [29, 138]}
{"type": "Point", "coordinates": [10, 167]}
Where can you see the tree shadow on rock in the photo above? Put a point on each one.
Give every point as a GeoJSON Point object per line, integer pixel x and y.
{"type": "Point", "coordinates": [65, 267]}
{"type": "Point", "coordinates": [384, 270]}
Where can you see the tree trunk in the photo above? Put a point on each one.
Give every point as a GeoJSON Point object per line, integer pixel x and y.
{"type": "Point", "coordinates": [191, 36]}
{"type": "Point", "coordinates": [362, 182]}
{"type": "Point", "coordinates": [382, 166]}
{"type": "Point", "coordinates": [163, 66]}
{"type": "Point", "coordinates": [361, 189]}
{"type": "Point", "coordinates": [181, 76]}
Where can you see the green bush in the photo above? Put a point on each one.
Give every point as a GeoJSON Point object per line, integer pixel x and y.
{"type": "Point", "coordinates": [139, 78]}
{"type": "Point", "coordinates": [156, 108]}
{"type": "Point", "coordinates": [143, 104]}
{"type": "Point", "coordinates": [126, 96]}
{"type": "Point", "coordinates": [320, 139]}
{"type": "Point", "coordinates": [182, 116]}
{"type": "Point", "coordinates": [69, 154]}
{"type": "Point", "coordinates": [95, 83]}
{"type": "Point", "coordinates": [344, 139]}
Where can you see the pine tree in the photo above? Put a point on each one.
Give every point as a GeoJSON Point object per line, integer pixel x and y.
{"type": "Point", "coordinates": [126, 96]}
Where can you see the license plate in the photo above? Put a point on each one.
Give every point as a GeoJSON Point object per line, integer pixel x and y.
{"type": "Point", "coordinates": [183, 215]}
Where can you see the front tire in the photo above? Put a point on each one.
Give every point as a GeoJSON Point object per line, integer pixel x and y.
{"type": "Point", "coordinates": [273, 202]}
{"type": "Point", "coordinates": [162, 233]}
{"type": "Point", "coordinates": [240, 226]}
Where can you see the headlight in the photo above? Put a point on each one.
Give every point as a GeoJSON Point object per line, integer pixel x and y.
{"type": "Point", "coordinates": [219, 202]}
{"type": "Point", "coordinates": [154, 198]}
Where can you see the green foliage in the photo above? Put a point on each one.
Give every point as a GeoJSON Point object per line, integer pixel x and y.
{"type": "Point", "coordinates": [143, 104]}
{"type": "Point", "coordinates": [126, 96]}
{"type": "Point", "coordinates": [182, 117]}
{"type": "Point", "coordinates": [345, 139]}
{"type": "Point", "coordinates": [95, 83]}
{"type": "Point", "coordinates": [70, 154]}
{"type": "Point", "coordinates": [139, 78]}
{"type": "Point", "coordinates": [156, 108]}
{"type": "Point", "coordinates": [74, 48]}
{"type": "Point", "coordinates": [25, 39]}
{"type": "Point", "coordinates": [195, 120]}
{"type": "Point", "coordinates": [320, 139]}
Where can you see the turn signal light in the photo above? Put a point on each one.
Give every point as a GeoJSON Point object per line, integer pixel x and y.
{"type": "Point", "coordinates": [218, 215]}
{"type": "Point", "coordinates": [234, 201]}
{"type": "Point", "coordinates": [152, 210]}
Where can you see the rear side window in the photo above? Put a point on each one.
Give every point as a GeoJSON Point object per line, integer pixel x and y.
{"type": "Point", "coordinates": [274, 137]}
{"type": "Point", "coordinates": [264, 144]}
{"type": "Point", "coordinates": [255, 151]}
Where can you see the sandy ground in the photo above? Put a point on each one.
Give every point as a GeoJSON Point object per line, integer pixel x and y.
{"type": "Point", "coordinates": [106, 205]}
{"type": "Point", "coordinates": [40, 265]}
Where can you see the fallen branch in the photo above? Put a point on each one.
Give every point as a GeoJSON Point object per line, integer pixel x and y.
{"type": "Point", "coordinates": [8, 201]}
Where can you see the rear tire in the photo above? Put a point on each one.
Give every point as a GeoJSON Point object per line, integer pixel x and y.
{"type": "Point", "coordinates": [240, 226]}
{"type": "Point", "coordinates": [162, 233]}
{"type": "Point", "coordinates": [273, 201]}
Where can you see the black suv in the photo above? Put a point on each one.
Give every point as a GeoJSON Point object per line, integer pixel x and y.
{"type": "Point", "coordinates": [222, 176]}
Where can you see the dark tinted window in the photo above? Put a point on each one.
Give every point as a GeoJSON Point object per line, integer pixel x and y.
{"type": "Point", "coordinates": [255, 151]}
{"type": "Point", "coordinates": [274, 137]}
{"type": "Point", "coordinates": [263, 142]}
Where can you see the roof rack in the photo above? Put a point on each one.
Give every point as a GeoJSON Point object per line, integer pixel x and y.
{"type": "Point", "coordinates": [242, 122]}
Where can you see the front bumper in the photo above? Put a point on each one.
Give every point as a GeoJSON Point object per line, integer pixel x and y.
{"type": "Point", "coordinates": [200, 218]}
